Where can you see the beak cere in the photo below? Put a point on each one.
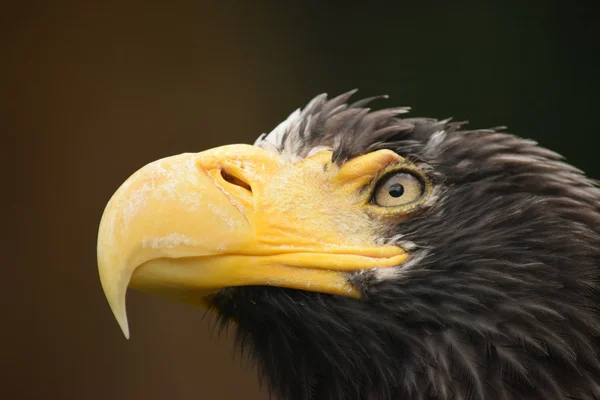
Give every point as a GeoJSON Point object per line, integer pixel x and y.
{"type": "Point", "coordinates": [189, 225]}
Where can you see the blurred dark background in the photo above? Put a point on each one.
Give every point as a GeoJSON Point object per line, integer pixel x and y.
{"type": "Point", "coordinates": [93, 91]}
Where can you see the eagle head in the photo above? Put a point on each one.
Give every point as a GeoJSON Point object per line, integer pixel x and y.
{"type": "Point", "coordinates": [361, 255]}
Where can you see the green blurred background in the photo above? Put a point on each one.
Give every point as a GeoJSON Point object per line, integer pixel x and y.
{"type": "Point", "coordinates": [93, 91]}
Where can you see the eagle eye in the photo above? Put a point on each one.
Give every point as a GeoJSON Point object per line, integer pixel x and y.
{"type": "Point", "coordinates": [398, 189]}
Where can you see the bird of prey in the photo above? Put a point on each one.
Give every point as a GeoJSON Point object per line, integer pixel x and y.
{"type": "Point", "coordinates": [365, 255]}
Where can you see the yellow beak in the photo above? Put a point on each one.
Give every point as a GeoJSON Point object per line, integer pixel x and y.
{"type": "Point", "coordinates": [189, 225]}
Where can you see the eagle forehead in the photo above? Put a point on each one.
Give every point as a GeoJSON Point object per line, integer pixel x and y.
{"type": "Point", "coordinates": [346, 129]}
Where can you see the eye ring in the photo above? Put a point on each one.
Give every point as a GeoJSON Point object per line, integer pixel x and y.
{"type": "Point", "coordinates": [398, 189]}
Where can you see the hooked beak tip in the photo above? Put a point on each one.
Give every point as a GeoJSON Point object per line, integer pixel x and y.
{"type": "Point", "coordinates": [122, 320]}
{"type": "Point", "coordinates": [116, 295]}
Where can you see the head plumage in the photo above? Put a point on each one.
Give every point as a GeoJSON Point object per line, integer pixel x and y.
{"type": "Point", "coordinates": [348, 129]}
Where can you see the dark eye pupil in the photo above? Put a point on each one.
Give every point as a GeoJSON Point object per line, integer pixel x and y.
{"type": "Point", "coordinates": [396, 190]}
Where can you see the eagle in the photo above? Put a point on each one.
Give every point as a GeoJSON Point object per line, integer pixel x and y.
{"type": "Point", "coordinates": [361, 254]}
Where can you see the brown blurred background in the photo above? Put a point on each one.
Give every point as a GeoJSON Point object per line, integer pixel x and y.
{"type": "Point", "coordinates": [93, 91]}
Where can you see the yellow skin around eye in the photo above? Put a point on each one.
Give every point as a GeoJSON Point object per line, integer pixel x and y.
{"type": "Point", "coordinates": [413, 190]}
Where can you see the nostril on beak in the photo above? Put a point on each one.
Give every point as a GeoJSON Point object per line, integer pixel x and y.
{"type": "Point", "coordinates": [234, 180]}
